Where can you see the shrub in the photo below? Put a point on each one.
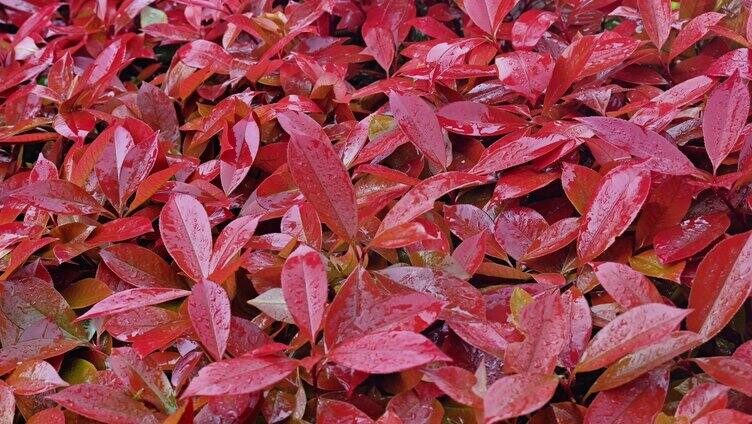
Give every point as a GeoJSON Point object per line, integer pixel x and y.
{"type": "Point", "coordinates": [391, 211]}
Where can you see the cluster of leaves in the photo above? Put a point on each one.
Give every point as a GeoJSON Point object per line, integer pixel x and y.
{"type": "Point", "coordinates": [386, 211]}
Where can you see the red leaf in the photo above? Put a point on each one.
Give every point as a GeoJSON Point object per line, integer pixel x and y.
{"type": "Point", "coordinates": [732, 372]}
{"type": "Point", "coordinates": [304, 285]}
{"type": "Point", "coordinates": [233, 238]}
{"type": "Point", "coordinates": [663, 155]}
{"type": "Point", "coordinates": [690, 237]}
{"type": "Point", "coordinates": [478, 119]}
{"type": "Point", "coordinates": [186, 233]}
{"type": "Point", "coordinates": [617, 200]}
{"type": "Point", "coordinates": [240, 145]}
{"type": "Point", "coordinates": [529, 27]}
{"type": "Point", "coordinates": [385, 28]}
{"type": "Point", "coordinates": [103, 403]}
{"type": "Point", "coordinates": [628, 287]}
{"type": "Point", "coordinates": [246, 374]}
{"type": "Point", "coordinates": [128, 300]}
{"type": "Point", "coordinates": [544, 324]}
{"type": "Point", "coordinates": [422, 197]}
{"type": "Point", "coordinates": [553, 238]}
{"type": "Point", "coordinates": [384, 353]}
{"type": "Point", "coordinates": [364, 307]}
{"type": "Point", "coordinates": [34, 377]}
{"type": "Point", "coordinates": [656, 20]}
{"type": "Point", "coordinates": [124, 164]}
{"type": "Point", "coordinates": [57, 196]}
{"type": "Point", "coordinates": [144, 377]}
{"type": "Point", "coordinates": [568, 68]}
{"type": "Point", "coordinates": [693, 31]}
{"type": "Point", "coordinates": [721, 285]}
{"type": "Point", "coordinates": [724, 416]}
{"type": "Point", "coordinates": [320, 175]}
{"type": "Point", "coordinates": [331, 411]}
{"type": "Point", "coordinates": [577, 311]}
{"type": "Point", "coordinates": [505, 154]}
{"type": "Point", "coordinates": [515, 395]}
{"type": "Point", "coordinates": [635, 402]}
{"type": "Point", "coordinates": [643, 360]}
{"type": "Point", "coordinates": [519, 182]}
{"type": "Point", "coordinates": [724, 117]}
{"type": "Point", "coordinates": [488, 14]}
{"type": "Point", "coordinates": [526, 73]}
{"type": "Point", "coordinates": [517, 228]}
{"type": "Point", "coordinates": [636, 328]}
{"type": "Point", "coordinates": [702, 399]}
{"type": "Point", "coordinates": [456, 382]}
{"type": "Point", "coordinates": [139, 266]}
{"type": "Point", "coordinates": [579, 184]}
{"type": "Point", "coordinates": [419, 123]}
{"type": "Point", "coordinates": [209, 310]}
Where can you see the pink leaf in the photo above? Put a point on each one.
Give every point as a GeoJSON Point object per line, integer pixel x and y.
{"type": "Point", "coordinates": [186, 233]}
{"type": "Point", "coordinates": [128, 300]}
{"type": "Point", "coordinates": [515, 395]}
{"type": "Point", "coordinates": [246, 374]}
{"type": "Point", "coordinates": [384, 353]}
{"type": "Point", "coordinates": [636, 328]}
{"type": "Point", "coordinates": [209, 310]}
{"type": "Point", "coordinates": [304, 286]}
{"type": "Point", "coordinates": [724, 118]}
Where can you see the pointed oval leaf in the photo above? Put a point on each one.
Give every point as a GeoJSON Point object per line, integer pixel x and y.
{"type": "Point", "coordinates": [690, 237]}
{"type": "Point", "coordinates": [636, 328]}
{"type": "Point", "coordinates": [57, 196]}
{"type": "Point", "coordinates": [246, 374]}
{"type": "Point", "coordinates": [139, 266]}
{"type": "Point", "coordinates": [186, 233]}
{"type": "Point", "coordinates": [617, 200]}
{"type": "Point", "coordinates": [384, 353]}
{"type": "Point", "coordinates": [635, 402]}
{"type": "Point", "coordinates": [643, 360]}
{"type": "Point", "coordinates": [628, 287]}
{"type": "Point", "coordinates": [103, 403]}
{"type": "Point", "coordinates": [128, 300]}
{"type": "Point", "coordinates": [722, 283]}
{"type": "Point", "coordinates": [209, 310]}
{"type": "Point", "coordinates": [420, 199]}
{"type": "Point", "coordinates": [724, 117]}
{"type": "Point", "coordinates": [304, 285]}
{"type": "Point", "coordinates": [519, 394]}
{"type": "Point", "coordinates": [419, 123]}
{"type": "Point", "coordinates": [320, 175]}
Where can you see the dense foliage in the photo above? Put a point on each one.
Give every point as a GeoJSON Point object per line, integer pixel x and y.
{"type": "Point", "coordinates": [387, 211]}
